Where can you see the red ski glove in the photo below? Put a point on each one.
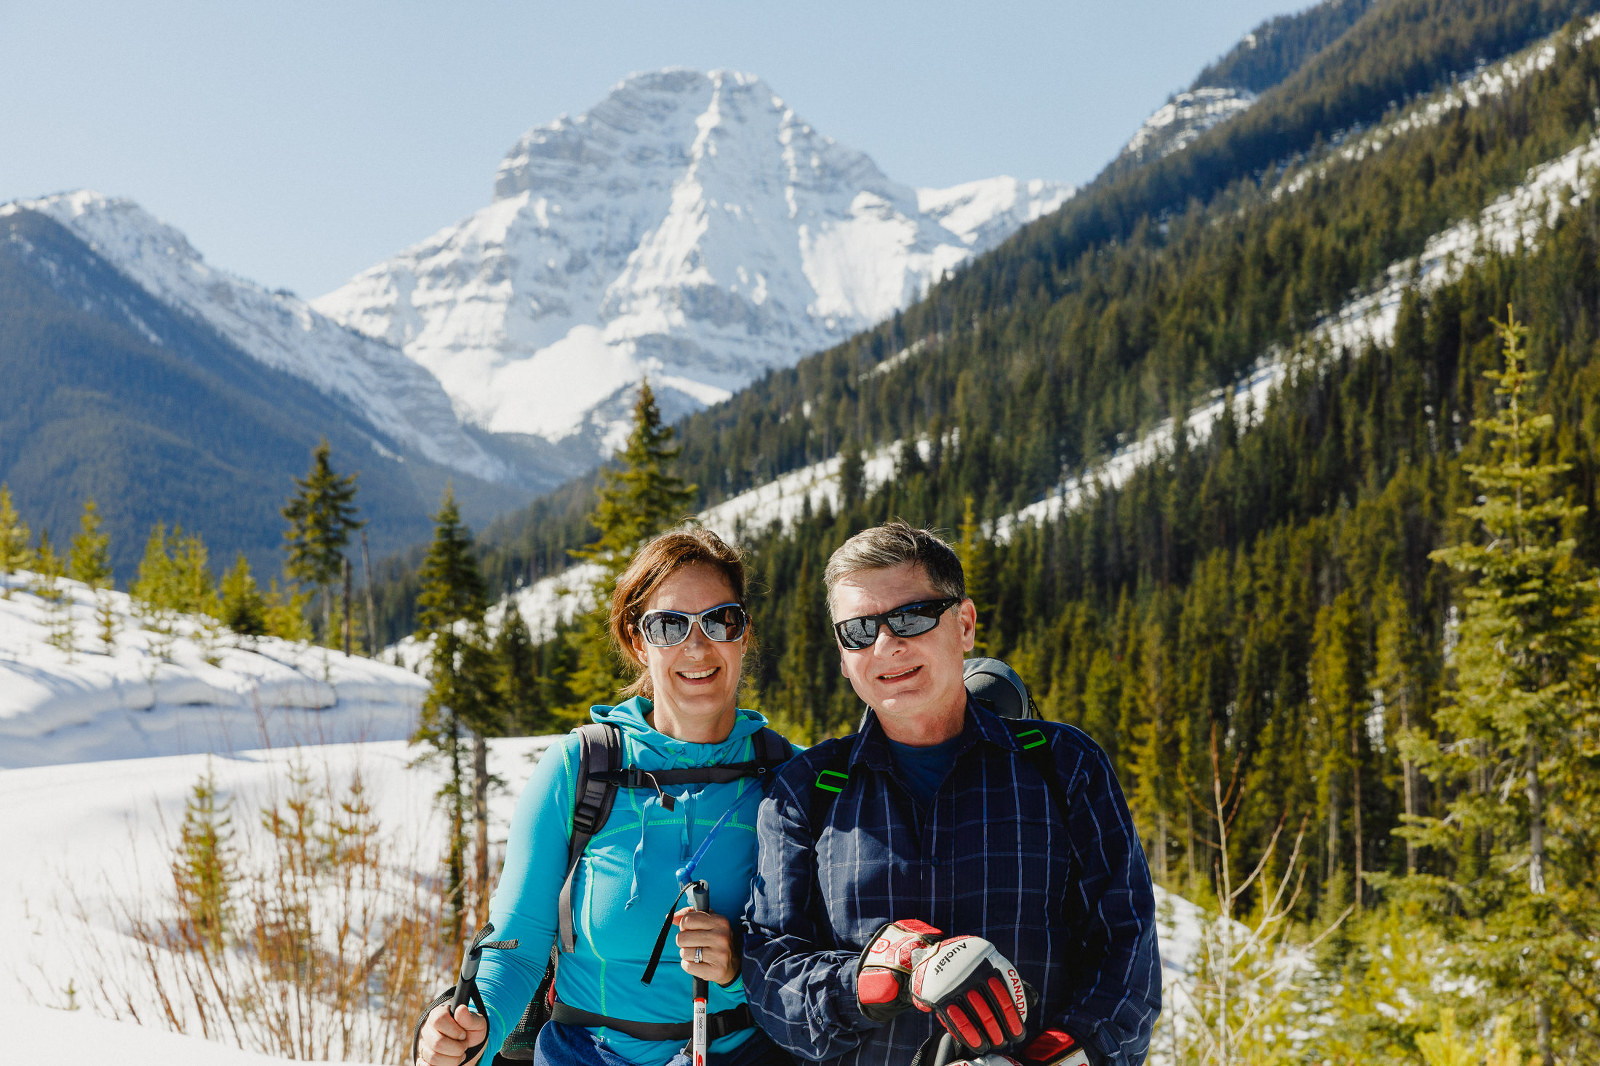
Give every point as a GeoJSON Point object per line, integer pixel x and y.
{"type": "Point", "coordinates": [1050, 1048]}
{"type": "Point", "coordinates": [881, 985]}
{"type": "Point", "coordinates": [974, 991]}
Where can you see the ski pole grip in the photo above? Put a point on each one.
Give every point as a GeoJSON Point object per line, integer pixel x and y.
{"type": "Point", "coordinates": [700, 896]}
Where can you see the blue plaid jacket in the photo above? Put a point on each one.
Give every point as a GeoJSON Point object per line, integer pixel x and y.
{"type": "Point", "coordinates": [1064, 895]}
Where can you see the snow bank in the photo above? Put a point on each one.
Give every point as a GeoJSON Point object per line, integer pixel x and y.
{"type": "Point", "coordinates": [198, 688]}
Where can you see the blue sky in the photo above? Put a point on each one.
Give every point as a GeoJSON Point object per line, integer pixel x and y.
{"type": "Point", "coordinates": [299, 142]}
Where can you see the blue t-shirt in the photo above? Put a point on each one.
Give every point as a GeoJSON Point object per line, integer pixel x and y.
{"type": "Point", "coordinates": [924, 769]}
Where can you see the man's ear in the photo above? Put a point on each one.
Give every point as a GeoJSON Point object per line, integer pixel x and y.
{"type": "Point", "coordinates": [967, 612]}
{"type": "Point", "coordinates": [841, 668]}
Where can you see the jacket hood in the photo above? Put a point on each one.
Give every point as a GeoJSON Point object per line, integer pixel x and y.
{"type": "Point", "coordinates": [631, 716]}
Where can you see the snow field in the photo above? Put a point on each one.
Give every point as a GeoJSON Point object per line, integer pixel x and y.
{"type": "Point", "coordinates": [197, 688]}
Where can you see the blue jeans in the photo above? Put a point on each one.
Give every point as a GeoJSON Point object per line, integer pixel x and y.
{"type": "Point", "coordinates": [573, 1045]}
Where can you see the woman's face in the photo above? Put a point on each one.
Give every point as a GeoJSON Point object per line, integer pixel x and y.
{"type": "Point", "coordinates": [694, 683]}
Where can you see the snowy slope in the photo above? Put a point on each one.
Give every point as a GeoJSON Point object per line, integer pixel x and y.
{"type": "Point", "coordinates": [396, 396]}
{"type": "Point", "coordinates": [690, 227]}
{"type": "Point", "coordinates": [195, 689]}
{"type": "Point", "coordinates": [1177, 123]}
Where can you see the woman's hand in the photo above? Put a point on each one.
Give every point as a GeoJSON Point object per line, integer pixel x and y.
{"type": "Point", "coordinates": [709, 934]}
{"type": "Point", "coordinates": [445, 1039]}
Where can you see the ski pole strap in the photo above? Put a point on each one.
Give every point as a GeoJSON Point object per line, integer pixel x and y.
{"type": "Point", "coordinates": [718, 1025]}
{"type": "Point", "coordinates": [661, 938]}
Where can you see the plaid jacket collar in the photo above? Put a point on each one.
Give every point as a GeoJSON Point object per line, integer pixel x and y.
{"type": "Point", "coordinates": [870, 747]}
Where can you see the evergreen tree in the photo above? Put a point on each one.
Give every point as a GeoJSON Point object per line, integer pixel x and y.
{"type": "Point", "coordinates": [194, 587]}
{"type": "Point", "coordinates": [321, 516]}
{"type": "Point", "coordinates": [285, 613]}
{"type": "Point", "coordinates": [453, 589]}
{"type": "Point", "coordinates": [1519, 730]}
{"type": "Point", "coordinates": [14, 538]}
{"type": "Point", "coordinates": [49, 571]}
{"type": "Point", "coordinates": [90, 563]}
{"type": "Point", "coordinates": [206, 866]}
{"type": "Point", "coordinates": [243, 609]}
{"type": "Point", "coordinates": [155, 586]}
{"type": "Point", "coordinates": [90, 557]}
{"type": "Point", "coordinates": [517, 676]}
{"type": "Point", "coordinates": [450, 610]}
{"type": "Point", "coordinates": [977, 563]}
{"type": "Point", "coordinates": [637, 501]}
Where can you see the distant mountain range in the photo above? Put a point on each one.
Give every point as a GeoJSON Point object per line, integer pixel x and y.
{"type": "Point", "coordinates": [691, 227]}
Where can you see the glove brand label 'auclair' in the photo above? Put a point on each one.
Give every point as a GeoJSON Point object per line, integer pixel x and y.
{"type": "Point", "coordinates": [950, 954]}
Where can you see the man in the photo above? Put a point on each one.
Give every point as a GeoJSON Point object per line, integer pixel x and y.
{"type": "Point", "coordinates": [910, 873]}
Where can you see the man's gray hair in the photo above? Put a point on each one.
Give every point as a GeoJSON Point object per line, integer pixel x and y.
{"type": "Point", "coordinates": [894, 544]}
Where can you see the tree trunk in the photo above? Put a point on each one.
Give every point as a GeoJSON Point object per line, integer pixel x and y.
{"type": "Point", "coordinates": [480, 821]}
{"type": "Point", "coordinates": [372, 614]}
{"type": "Point", "coordinates": [1535, 821]}
{"type": "Point", "coordinates": [1409, 783]}
{"type": "Point", "coordinates": [1355, 824]}
{"type": "Point", "coordinates": [345, 566]}
{"type": "Point", "coordinates": [1541, 1013]}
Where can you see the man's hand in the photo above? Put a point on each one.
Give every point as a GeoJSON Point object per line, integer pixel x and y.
{"type": "Point", "coordinates": [886, 962]}
{"type": "Point", "coordinates": [446, 1039]}
{"type": "Point", "coordinates": [1050, 1048]}
{"type": "Point", "coordinates": [974, 991]}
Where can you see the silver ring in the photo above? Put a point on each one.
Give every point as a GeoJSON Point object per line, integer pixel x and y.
{"type": "Point", "coordinates": [697, 952]}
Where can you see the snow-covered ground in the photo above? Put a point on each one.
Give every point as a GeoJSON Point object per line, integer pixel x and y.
{"type": "Point", "coordinates": [196, 688]}
{"type": "Point", "coordinates": [88, 842]}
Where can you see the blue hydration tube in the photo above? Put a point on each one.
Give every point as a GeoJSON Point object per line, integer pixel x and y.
{"type": "Point", "coordinates": [686, 881]}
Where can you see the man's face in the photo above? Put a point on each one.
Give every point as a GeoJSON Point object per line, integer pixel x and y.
{"type": "Point", "coordinates": [905, 678]}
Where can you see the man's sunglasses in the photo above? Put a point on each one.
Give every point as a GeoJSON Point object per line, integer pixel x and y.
{"type": "Point", "coordinates": [666, 629]}
{"type": "Point", "coordinates": [909, 620]}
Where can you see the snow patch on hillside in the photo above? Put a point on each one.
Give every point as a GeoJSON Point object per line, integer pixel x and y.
{"type": "Point", "coordinates": [1179, 122]}
{"type": "Point", "coordinates": [197, 688]}
{"type": "Point", "coordinates": [1473, 90]}
{"type": "Point", "coordinates": [398, 397]}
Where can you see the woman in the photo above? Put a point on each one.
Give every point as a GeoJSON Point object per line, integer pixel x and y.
{"type": "Point", "coordinates": [678, 617]}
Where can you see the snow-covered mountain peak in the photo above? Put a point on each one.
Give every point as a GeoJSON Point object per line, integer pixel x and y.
{"type": "Point", "coordinates": [691, 227]}
{"type": "Point", "coordinates": [400, 399]}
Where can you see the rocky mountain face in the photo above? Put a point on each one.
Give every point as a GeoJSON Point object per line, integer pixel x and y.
{"type": "Point", "coordinates": [691, 227]}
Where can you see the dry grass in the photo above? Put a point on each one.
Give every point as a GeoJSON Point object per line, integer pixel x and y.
{"type": "Point", "coordinates": [329, 942]}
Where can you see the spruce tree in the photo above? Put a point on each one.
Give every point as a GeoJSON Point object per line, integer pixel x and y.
{"type": "Point", "coordinates": [636, 501]}
{"type": "Point", "coordinates": [977, 564]}
{"type": "Point", "coordinates": [1518, 730]}
{"type": "Point", "coordinates": [205, 865]}
{"type": "Point", "coordinates": [49, 571]}
{"type": "Point", "coordinates": [321, 516]}
{"type": "Point", "coordinates": [516, 676]}
{"type": "Point", "coordinates": [155, 591]}
{"type": "Point", "coordinates": [90, 557]}
{"type": "Point", "coordinates": [450, 610]}
{"type": "Point", "coordinates": [14, 537]}
{"type": "Point", "coordinates": [244, 609]}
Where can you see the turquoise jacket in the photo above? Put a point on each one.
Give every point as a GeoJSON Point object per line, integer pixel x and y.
{"type": "Point", "coordinates": [623, 885]}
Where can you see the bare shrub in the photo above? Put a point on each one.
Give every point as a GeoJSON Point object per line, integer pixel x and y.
{"type": "Point", "coordinates": [313, 941]}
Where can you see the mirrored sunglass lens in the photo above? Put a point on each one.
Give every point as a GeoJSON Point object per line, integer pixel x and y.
{"type": "Point", "coordinates": [857, 633]}
{"type": "Point", "coordinates": [724, 623]}
{"type": "Point", "coordinates": [665, 630]}
{"type": "Point", "coordinates": [913, 621]}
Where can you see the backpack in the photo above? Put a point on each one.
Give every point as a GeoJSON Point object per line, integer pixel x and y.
{"type": "Point", "coordinates": [600, 775]}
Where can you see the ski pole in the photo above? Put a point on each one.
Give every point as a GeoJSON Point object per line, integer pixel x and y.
{"type": "Point", "coordinates": [700, 900]}
{"type": "Point", "coordinates": [467, 986]}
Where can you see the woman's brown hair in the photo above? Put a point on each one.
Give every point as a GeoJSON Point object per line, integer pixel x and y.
{"type": "Point", "coordinates": [654, 563]}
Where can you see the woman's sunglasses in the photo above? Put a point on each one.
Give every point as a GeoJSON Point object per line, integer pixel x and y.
{"type": "Point", "coordinates": [909, 620]}
{"type": "Point", "coordinates": [666, 629]}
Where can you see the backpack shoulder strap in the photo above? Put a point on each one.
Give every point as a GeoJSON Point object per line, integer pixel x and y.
{"type": "Point", "coordinates": [772, 749]}
{"type": "Point", "coordinates": [599, 755]}
{"type": "Point", "coordinates": [832, 776]}
{"type": "Point", "coordinates": [1036, 749]}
